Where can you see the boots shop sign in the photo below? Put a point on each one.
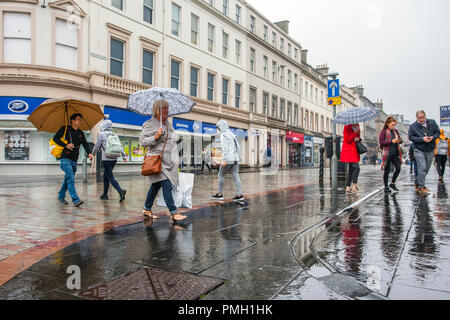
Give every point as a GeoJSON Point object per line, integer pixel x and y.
{"type": "Point", "coordinates": [19, 105]}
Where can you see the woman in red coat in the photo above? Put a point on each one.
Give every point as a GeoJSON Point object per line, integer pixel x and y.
{"type": "Point", "coordinates": [350, 154]}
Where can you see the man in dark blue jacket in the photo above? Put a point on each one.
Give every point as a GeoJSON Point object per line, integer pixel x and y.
{"type": "Point", "coordinates": [423, 133]}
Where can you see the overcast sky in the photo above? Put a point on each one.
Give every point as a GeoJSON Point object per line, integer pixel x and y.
{"type": "Point", "coordinates": [399, 50]}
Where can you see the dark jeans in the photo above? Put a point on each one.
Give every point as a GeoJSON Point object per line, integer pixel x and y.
{"type": "Point", "coordinates": [167, 193]}
{"type": "Point", "coordinates": [207, 165]}
{"type": "Point", "coordinates": [395, 160]}
{"type": "Point", "coordinates": [440, 162]}
{"type": "Point", "coordinates": [108, 176]}
{"type": "Point", "coordinates": [353, 173]}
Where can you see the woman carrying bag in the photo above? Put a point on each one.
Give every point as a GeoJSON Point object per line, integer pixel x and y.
{"type": "Point", "coordinates": [350, 154]}
{"type": "Point", "coordinates": [158, 135]}
{"type": "Point", "coordinates": [390, 144]}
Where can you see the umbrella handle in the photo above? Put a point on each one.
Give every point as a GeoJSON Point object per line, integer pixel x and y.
{"type": "Point", "coordinates": [67, 114]}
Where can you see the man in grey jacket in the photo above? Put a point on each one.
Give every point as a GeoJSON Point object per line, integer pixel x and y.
{"type": "Point", "coordinates": [230, 158]}
{"type": "Point", "coordinates": [108, 162]}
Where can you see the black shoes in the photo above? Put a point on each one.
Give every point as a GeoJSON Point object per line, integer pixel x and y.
{"type": "Point", "coordinates": [387, 190]}
{"type": "Point", "coordinates": [122, 195]}
{"type": "Point", "coordinates": [217, 196]}
{"type": "Point", "coordinates": [78, 203]}
{"type": "Point", "coordinates": [393, 187]}
{"type": "Point", "coordinates": [63, 201]}
{"type": "Point", "coordinates": [104, 197]}
{"type": "Point", "coordinates": [239, 198]}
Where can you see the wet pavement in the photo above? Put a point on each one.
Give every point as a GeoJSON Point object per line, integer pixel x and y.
{"type": "Point", "coordinates": [403, 238]}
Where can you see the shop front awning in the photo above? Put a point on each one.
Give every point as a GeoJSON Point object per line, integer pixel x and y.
{"type": "Point", "coordinates": [294, 137]}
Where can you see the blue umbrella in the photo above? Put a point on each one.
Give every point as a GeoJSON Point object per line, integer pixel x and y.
{"type": "Point", "coordinates": [356, 115]}
{"type": "Point", "coordinates": [142, 101]}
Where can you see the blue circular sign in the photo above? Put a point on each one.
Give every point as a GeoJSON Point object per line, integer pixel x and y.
{"type": "Point", "coordinates": [18, 106]}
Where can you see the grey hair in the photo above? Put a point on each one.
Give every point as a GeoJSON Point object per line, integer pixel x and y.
{"type": "Point", "coordinates": [419, 112]}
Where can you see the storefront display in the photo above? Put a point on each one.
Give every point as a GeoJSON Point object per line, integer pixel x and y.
{"type": "Point", "coordinates": [318, 142]}
{"type": "Point", "coordinates": [308, 151]}
{"type": "Point", "coordinates": [17, 145]}
{"type": "Point", "coordinates": [294, 144]}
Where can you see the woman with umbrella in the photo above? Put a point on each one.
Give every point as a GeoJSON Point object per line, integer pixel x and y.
{"type": "Point", "coordinates": [159, 136]}
{"type": "Point", "coordinates": [350, 154]}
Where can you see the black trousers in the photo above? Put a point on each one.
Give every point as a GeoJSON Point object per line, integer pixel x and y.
{"type": "Point", "coordinates": [353, 173]}
{"type": "Point", "coordinates": [395, 160]}
{"type": "Point", "coordinates": [440, 162]}
{"type": "Point", "coordinates": [207, 165]}
{"type": "Point", "coordinates": [108, 177]}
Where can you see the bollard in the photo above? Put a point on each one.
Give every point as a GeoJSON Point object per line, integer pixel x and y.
{"type": "Point", "coordinates": [322, 150]}
{"type": "Point", "coordinates": [85, 170]}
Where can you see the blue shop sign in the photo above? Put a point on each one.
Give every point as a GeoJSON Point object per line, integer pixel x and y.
{"type": "Point", "coordinates": [209, 128]}
{"type": "Point", "coordinates": [183, 125]}
{"type": "Point", "coordinates": [124, 116]}
{"type": "Point", "coordinates": [19, 105]}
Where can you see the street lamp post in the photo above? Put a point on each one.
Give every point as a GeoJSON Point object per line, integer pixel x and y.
{"type": "Point", "coordinates": [334, 160]}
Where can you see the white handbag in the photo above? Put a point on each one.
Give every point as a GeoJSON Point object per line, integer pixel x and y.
{"type": "Point", "coordinates": [182, 195]}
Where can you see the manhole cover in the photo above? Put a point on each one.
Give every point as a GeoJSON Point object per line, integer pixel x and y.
{"type": "Point", "coordinates": [153, 284]}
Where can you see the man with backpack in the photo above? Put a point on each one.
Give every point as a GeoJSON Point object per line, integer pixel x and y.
{"type": "Point", "coordinates": [441, 153]}
{"type": "Point", "coordinates": [69, 157]}
{"type": "Point", "coordinates": [112, 149]}
{"type": "Point", "coordinates": [230, 158]}
{"type": "Point", "coordinates": [423, 133]}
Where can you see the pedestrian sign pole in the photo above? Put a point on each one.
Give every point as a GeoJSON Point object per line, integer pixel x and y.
{"type": "Point", "coordinates": [334, 99]}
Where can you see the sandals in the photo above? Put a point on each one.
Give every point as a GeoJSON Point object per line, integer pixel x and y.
{"type": "Point", "coordinates": [148, 216]}
{"type": "Point", "coordinates": [178, 214]}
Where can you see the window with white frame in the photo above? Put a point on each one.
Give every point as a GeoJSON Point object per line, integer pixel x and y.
{"type": "Point", "coordinates": [211, 2]}
{"type": "Point", "coordinates": [266, 33]}
{"type": "Point", "coordinates": [296, 115]}
{"type": "Point", "coordinates": [148, 11]}
{"type": "Point", "coordinates": [238, 52]}
{"type": "Point", "coordinates": [274, 71]}
{"type": "Point", "coordinates": [265, 66]}
{"type": "Point", "coordinates": [194, 81]}
{"type": "Point", "coordinates": [176, 16]}
{"type": "Point", "coordinates": [147, 66]}
{"type": "Point", "coordinates": [225, 45]}
{"type": "Point", "coordinates": [117, 57]}
{"type": "Point", "coordinates": [252, 99]}
{"type": "Point", "coordinates": [282, 105]}
{"type": "Point", "coordinates": [289, 79]}
{"type": "Point", "coordinates": [194, 29]}
{"type": "Point", "coordinates": [252, 60]}
{"type": "Point", "coordinates": [118, 4]}
{"type": "Point", "coordinates": [306, 90]}
{"type": "Point", "coordinates": [321, 98]}
{"type": "Point", "coordinates": [311, 93]}
{"type": "Point", "coordinates": [316, 96]}
{"type": "Point", "coordinates": [237, 95]}
{"type": "Point", "coordinates": [238, 14]}
{"type": "Point", "coordinates": [289, 112]}
{"type": "Point", "coordinates": [66, 46]}
{"type": "Point", "coordinates": [274, 106]}
{"type": "Point", "coordinates": [175, 74]}
{"type": "Point", "coordinates": [265, 102]}
{"type": "Point", "coordinates": [252, 24]}
{"type": "Point", "coordinates": [211, 82]}
{"type": "Point", "coordinates": [211, 31]}
{"type": "Point", "coordinates": [225, 7]}
{"type": "Point", "coordinates": [16, 37]}
{"type": "Point", "coordinates": [225, 84]}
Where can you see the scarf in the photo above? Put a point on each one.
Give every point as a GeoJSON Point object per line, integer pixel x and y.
{"type": "Point", "coordinates": [385, 154]}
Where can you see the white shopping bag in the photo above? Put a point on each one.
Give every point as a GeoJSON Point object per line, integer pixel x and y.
{"type": "Point", "coordinates": [182, 196]}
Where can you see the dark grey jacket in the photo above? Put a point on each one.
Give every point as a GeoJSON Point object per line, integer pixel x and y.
{"type": "Point", "coordinates": [417, 132]}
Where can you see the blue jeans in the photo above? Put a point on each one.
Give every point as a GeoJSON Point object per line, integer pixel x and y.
{"type": "Point", "coordinates": [108, 177]}
{"type": "Point", "coordinates": [70, 168]}
{"type": "Point", "coordinates": [167, 193]}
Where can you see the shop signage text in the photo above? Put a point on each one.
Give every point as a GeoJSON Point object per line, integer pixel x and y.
{"type": "Point", "coordinates": [18, 106]}
{"type": "Point", "coordinates": [294, 137]}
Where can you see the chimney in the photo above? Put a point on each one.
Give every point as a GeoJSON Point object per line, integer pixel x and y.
{"type": "Point", "coordinates": [359, 90]}
{"type": "Point", "coordinates": [283, 25]}
{"type": "Point", "coordinates": [379, 104]}
{"type": "Point", "coordinates": [322, 68]}
{"type": "Point", "coordinates": [305, 55]}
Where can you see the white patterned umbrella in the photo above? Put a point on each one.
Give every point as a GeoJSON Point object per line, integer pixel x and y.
{"type": "Point", "coordinates": [356, 115]}
{"type": "Point", "coordinates": [142, 101]}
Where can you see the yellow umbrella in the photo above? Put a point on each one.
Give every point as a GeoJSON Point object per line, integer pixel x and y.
{"type": "Point", "coordinates": [52, 114]}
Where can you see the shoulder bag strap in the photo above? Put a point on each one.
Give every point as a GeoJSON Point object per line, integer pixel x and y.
{"type": "Point", "coordinates": [162, 151]}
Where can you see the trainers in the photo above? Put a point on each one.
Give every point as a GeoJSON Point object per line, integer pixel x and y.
{"type": "Point", "coordinates": [387, 190]}
{"type": "Point", "coordinates": [424, 190]}
{"type": "Point", "coordinates": [122, 195]}
{"type": "Point", "coordinates": [78, 203]}
{"type": "Point", "coordinates": [393, 187]}
{"type": "Point", "coordinates": [441, 179]}
{"type": "Point", "coordinates": [217, 196]}
{"type": "Point", "coordinates": [238, 198]}
{"type": "Point", "coordinates": [104, 197]}
{"type": "Point", "coordinates": [63, 201]}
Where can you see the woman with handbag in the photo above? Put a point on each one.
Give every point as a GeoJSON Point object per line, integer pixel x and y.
{"type": "Point", "coordinates": [390, 144]}
{"type": "Point", "coordinates": [160, 167]}
{"type": "Point", "coordinates": [350, 154]}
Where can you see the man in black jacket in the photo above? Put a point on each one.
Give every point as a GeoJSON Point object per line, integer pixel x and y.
{"type": "Point", "coordinates": [423, 133]}
{"type": "Point", "coordinates": [69, 157]}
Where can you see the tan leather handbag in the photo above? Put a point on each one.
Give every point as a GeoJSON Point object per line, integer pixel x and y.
{"type": "Point", "coordinates": [153, 164]}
